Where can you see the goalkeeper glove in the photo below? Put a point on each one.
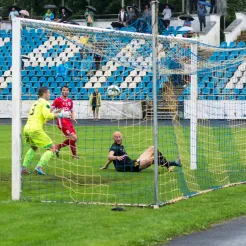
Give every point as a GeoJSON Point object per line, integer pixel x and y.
{"type": "Point", "coordinates": [64, 115]}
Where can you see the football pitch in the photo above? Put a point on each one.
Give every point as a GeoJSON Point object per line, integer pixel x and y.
{"type": "Point", "coordinates": [82, 180]}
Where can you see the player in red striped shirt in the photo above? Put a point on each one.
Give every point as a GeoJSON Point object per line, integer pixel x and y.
{"type": "Point", "coordinates": [66, 124]}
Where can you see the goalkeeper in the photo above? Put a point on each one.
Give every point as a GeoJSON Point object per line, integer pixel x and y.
{"type": "Point", "coordinates": [123, 163]}
{"type": "Point", "coordinates": [34, 134]}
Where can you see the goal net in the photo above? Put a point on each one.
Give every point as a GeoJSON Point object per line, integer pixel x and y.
{"type": "Point", "coordinates": [201, 113]}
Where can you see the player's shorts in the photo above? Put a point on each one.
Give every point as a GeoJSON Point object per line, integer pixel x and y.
{"type": "Point", "coordinates": [128, 165]}
{"type": "Point", "coordinates": [66, 127]}
{"type": "Point", "coordinates": [37, 138]}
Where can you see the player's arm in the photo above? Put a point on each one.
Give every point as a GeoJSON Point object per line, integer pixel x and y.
{"type": "Point", "coordinates": [111, 156]}
{"type": "Point", "coordinates": [73, 114]}
{"type": "Point", "coordinates": [106, 165]}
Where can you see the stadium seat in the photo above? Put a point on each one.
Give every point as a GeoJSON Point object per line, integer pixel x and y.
{"type": "Point", "coordinates": [232, 45]}
{"type": "Point", "coordinates": [223, 45]}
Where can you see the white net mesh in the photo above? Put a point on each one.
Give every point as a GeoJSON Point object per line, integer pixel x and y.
{"type": "Point", "coordinates": [97, 58]}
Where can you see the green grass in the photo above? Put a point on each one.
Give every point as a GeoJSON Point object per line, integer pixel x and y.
{"type": "Point", "coordinates": [221, 160]}
{"type": "Point", "coordinates": [69, 224]}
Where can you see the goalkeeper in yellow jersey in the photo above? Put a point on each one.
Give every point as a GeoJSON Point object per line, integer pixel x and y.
{"type": "Point", "coordinates": [34, 134]}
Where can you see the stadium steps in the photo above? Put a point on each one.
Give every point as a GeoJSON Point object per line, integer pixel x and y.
{"type": "Point", "coordinates": [242, 37]}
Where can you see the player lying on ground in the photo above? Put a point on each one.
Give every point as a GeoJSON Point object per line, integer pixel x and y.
{"type": "Point", "coordinates": [65, 124]}
{"type": "Point", "coordinates": [123, 163]}
{"type": "Point", "coordinates": [34, 133]}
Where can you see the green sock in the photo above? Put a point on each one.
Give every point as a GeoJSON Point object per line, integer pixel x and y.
{"type": "Point", "coordinates": [45, 158]}
{"type": "Point", "coordinates": [28, 157]}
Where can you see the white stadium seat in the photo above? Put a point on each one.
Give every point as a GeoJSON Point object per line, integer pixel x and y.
{"type": "Point", "coordinates": [102, 79]}
{"type": "Point", "coordinates": [133, 73]}
{"type": "Point", "coordinates": [142, 73]}
{"type": "Point", "coordinates": [124, 85]}
{"type": "Point", "coordinates": [97, 85]}
{"type": "Point", "coordinates": [107, 73]}
{"type": "Point", "coordinates": [3, 85]}
{"type": "Point", "coordinates": [99, 74]}
{"type": "Point", "coordinates": [132, 85]}
{"type": "Point", "coordinates": [1, 79]}
{"type": "Point", "coordinates": [88, 85]}
{"type": "Point", "coordinates": [93, 79]}
{"type": "Point", "coordinates": [137, 79]}
{"type": "Point", "coordinates": [7, 73]}
{"type": "Point", "coordinates": [128, 79]}
{"type": "Point", "coordinates": [238, 74]}
{"type": "Point", "coordinates": [52, 38]}
{"type": "Point", "coordinates": [8, 80]}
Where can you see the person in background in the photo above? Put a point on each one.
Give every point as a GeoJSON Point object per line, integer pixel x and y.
{"type": "Point", "coordinates": [123, 16]}
{"type": "Point", "coordinates": [89, 15]}
{"type": "Point", "coordinates": [146, 12]}
{"type": "Point", "coordinates": [131, 16]}
{"type": "Point", "coordinates": [213, 7]}
{"type": "Point", "coordinates": [13, 13]}
{"type": "Point", "coordinates": [95, 103]}
{"type": "Point", "coordinates": [187, 22]}
{"type": "Point", "coordinates": [167, 14]}
{"type": "Point", "coordinates": [49, 16]}
{"type": "Point", "coordinates": [193, 6]}
{"type": "Point", "coordinates": [201, 12]}
{"type": "Point", "coordinates": [63, 16]}
{"type": "Point", "coordinates": [62, 70]}
{"type": "Point", "coordinates": [97, 61]}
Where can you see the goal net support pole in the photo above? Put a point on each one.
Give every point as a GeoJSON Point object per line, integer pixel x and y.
{"type": "Point", "coordinates": [16, 109]}
{"type": "Point", "coordinates": [155, 86]}
{"type": "Point", "coordinates": [193, 117]}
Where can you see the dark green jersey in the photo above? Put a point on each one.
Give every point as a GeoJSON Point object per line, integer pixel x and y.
{"type": "Point", "coordinates": [118, 150]}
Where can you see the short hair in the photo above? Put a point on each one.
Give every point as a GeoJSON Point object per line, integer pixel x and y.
{"type": "Point", "coordinates": [65, 86]}
{"type": "Point", "coordinates": [42, 91]}
{"type": "Point", "coordinates": [117, 132]}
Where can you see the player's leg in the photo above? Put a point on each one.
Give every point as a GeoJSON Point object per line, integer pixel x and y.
{"type": "Point", "coordinates": [146, 159]}
{"type": "Point", "coordinates": [41, 139]}
{"type": "Point", "coordinates": [73, 147]}
{"type": "Point", "coordinates": [29, 154]}
{"type": "Point", "coordinates": [96, 112]}
{"type": "Point", "coordinates": [28, 159]}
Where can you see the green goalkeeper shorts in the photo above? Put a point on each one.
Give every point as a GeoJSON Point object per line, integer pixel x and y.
{"type": "Point", "coordinates": [37, 138]}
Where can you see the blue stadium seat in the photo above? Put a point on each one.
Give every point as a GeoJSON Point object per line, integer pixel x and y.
{"type": "Point", "coordinates": [232, 45]}
{"type": "Point", "coordinates": [206, 91]}
{"type": "Point", "coordinates": [226, 91]}
{"type": "Point", "coordinates": [241, 44]}
{"type": "Point", "coordinates": [85, 97]}
{"type": "Point", "coordinates": [216, 91]}
{"type": "Point", "coordinates": [223, 45]}
{"type": "Point", "coordinates": [236, 91]}
{"type": "Point", "coordinates": [243, 92]}
{"type": "Point", "coordinates": [74, 90]}
{"type": "Point", "coordinates": [241, 97]}
{"type": "Point", "coordinates": [231, 97]}
{"type": "Point", "coordinates": [211, 97]}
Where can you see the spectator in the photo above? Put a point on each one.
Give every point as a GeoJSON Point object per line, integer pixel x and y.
{"type": "Point", "coordinates": [49, 16]}
{"type": "Point", "coordinates": [167, 13]}
{"type": "Point", "coordinates": [123, 16]}
{"type": "Point", "coordinates": [187, 22]}
{"type": "Point", "coordinates": [62, 70]}
{"type": "Point", "coordinates": [193, 6]}
{"type": "Point", "coordinates": [64, 16]}
{"type": "Point", "coordinates": [89, 15]}
{"type": "Point", "coordinates": [146, 12]}
{"type": "Point", "coordinates": [97, 61]}
{"type": "Point", "coordinates": [201, 12]}
{"type": "Point", "coordinates": [95, 103]}
{"type": "Point", "coordinates": [213, 8]}
{"type": "Point", "coordinates": [131, 16]}
{"type": "Point", "coordinates": [13, 13]}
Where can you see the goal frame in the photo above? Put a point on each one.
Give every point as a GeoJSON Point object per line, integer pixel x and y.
{"type": "Point", "coordinates": [16, 97]}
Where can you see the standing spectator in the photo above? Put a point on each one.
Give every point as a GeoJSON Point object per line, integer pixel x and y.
{"type": "Point", "coordinates": [89, 15]}
{"type": "Point", "coordinates": [13, 13]}
{"type": "Point", "coordinates": [123, 16]}
{"type": "Point", "coordinates": [95, 103]}
{"type": "Point", "coordinates": [201, 12]}
{"type": "Point", "coordinates": [213, 8]}
{"type": "Point", "coordinates": [49, 16]}
{"type": "Point", "coordinates": [167, 13]}
{"type": "Point", "coordinates": [97, 61]}
{"type": "Point", "coordinates": [62, 70]}
{"type": "Point", "coordinates": [146, 12]}
{"type": "Point", "coordinates": [131, 16]}
{"type": "Point", "coordinates": [193, 6]}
